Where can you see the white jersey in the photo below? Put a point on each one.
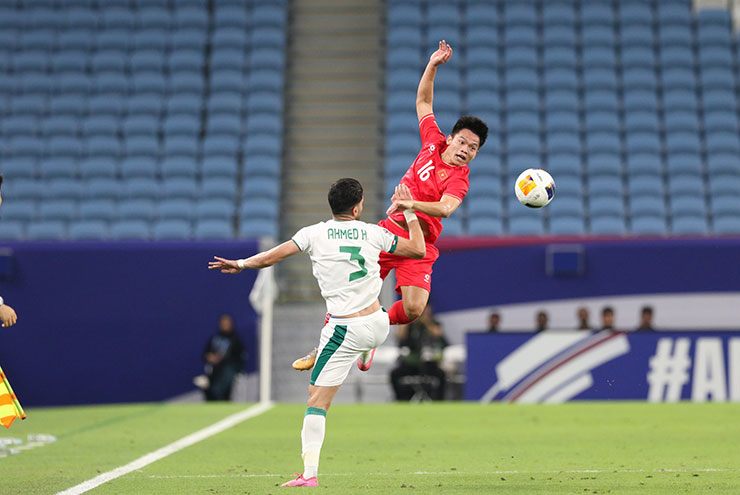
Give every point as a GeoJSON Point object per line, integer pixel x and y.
{"type": "Point", "coordinates": [344, 255]}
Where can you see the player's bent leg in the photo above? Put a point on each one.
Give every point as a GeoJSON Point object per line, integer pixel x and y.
{"type": "Point", "coordinates": [312, 434]}
{"type": "Point", "coordinates": [410, 307]}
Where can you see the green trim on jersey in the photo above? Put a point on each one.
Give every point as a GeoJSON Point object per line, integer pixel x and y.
{"type": "Point", "coordinates": [394, 245]}
{"type": "Point", "coordinates": [328, 351]}
{"type": "Point", "coordinates": [316, 410]}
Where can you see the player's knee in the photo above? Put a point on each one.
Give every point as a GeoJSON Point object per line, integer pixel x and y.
{"type": "Point", "coordinates": [413, 309]}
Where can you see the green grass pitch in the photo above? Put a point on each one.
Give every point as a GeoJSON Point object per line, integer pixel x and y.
{"type": "Point", "coordinates": [452, 448]}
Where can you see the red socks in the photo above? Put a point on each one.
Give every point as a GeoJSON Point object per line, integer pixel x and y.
{"type": "Point", "coordinates": [397, 314]}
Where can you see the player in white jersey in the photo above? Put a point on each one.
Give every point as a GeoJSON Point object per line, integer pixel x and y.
{"type": "Point", "coordinates": [344, 254]}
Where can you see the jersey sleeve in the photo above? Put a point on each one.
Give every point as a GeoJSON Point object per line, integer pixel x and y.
{"type": "Point", "coordinates": [429, 130]}
{"type": "Point", "coordinates": [302, 239]}
{"type": "Point", "coordinates": [387, 240]}
{"type": "Point", "coordinates": [457, 187]}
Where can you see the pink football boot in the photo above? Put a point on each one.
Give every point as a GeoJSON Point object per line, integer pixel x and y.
{"type": "Point", "coordinates": [301, 481]}
{"type": "Point", "coordinates": [366, 360]}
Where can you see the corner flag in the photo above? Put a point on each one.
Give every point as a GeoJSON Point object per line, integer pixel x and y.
{"type": "Point", "coordinates": [10, 407]}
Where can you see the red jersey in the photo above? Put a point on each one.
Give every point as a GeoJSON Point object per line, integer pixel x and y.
{"type": "Point", "coordinates": [429, 177]}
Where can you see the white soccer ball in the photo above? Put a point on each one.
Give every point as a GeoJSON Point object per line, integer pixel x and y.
{"type": "Point", "coordinates": [534, 188]}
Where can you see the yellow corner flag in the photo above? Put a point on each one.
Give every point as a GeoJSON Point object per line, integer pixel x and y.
{"type": "Point", "coordinates": [10, 407]}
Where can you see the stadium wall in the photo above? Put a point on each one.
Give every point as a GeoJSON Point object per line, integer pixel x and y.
{"type": "Point", "coordinates": [116, 322]}
{"type": "Point", "coordinates": [692, 283]}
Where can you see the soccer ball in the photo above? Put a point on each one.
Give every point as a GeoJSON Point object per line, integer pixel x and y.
{"type": "Point", "coordinates": [534, 188]}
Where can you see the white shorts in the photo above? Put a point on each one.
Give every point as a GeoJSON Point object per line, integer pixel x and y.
{"type": "Point", "coordinates": [343, 340]}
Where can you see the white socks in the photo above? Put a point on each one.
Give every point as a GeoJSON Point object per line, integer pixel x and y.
{"type": "Point", "coordinates": [312, 437]}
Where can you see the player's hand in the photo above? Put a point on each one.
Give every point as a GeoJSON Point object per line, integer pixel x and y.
{"type": "Point", "coordinates": [401, 199]}
{"type": "Point", "coordinates": [442, 55]}
{"type": "Point", "coordinates": [402, 193]}
{"type": "Point", "coordinates": [7, 316]}
{"type": "Point", "coordinates": [226, 266]}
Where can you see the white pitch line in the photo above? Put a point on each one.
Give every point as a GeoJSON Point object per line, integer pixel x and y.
{"type": "Point", "coordinates": [455, 473]}
{"type": "Point", "coordinates": [193, 438]}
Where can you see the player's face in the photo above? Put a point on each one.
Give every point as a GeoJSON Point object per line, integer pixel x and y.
{"type": "Point", "coordinates": [462, 147]}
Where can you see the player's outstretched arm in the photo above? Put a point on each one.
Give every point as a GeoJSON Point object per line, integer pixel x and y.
{"type": "Point", "coordinates": [260, 260]}
{"type": "Point", "coordinates": [414, 246]}
{"type": "Point", "coordinates": [425, 92]}
{"type": "Point", "coordinates": [442, 208]}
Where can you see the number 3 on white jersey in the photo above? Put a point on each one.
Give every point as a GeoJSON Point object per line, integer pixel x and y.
{"type": "Point", "coordinates": [426, 171]}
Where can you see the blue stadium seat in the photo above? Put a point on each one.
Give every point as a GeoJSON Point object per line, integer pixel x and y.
{"type": "Point", "coordinates": [727, 225]}
{"type": "Point", "coordinates": [180, 187]}
{"type": "Point", "coordinates": [562, 100]}
{"type": "Point", "coordinates": [67, 105]}
{"type": "Point", "coordinates": [684, 163]}
{"type": "Point", "coordinates": [176, 209]}
{"type": "Point", "coordinates": [521, 121]}
{"type": "Point", "coordinates": [604, 162]}
{"type": "Point", "coordinates": [563, 142]}
{"type": "Point", "coordinates": [602, 121]}
{"type": "Point", "coordinates": [154, 17]}
{"type": "Point", "coordinates": [255, 228]}
{"type": "Point", "coordinates": [685, 185]}
{"type": "Point", "coordinates": [718, 99]}
{"type": "Point", "coordinates": [722, 163]}
{"type": "Point", "coordinates": [476, 36]}
{"type": "Point", "coordinates": [141, 188]}
{"type": "Point", "coordinates": [606, 206]}
{"type": "Point", "coordinates": [639, 100]}
{"type": "Point", "coordinates": [261, 208]}
{"type": "Point", "coordinates": [172, 230]}
{"type": "Point", "coordinates": [484, 226]}
{"type": "Point", "coordinates": [103, 146]}
{"type": "Point", "coordinates": [98, 168]}
{"type": "Point", "coordinates": [12, 230]}
{"type": "Point", "coordinates": [673, 36]}
{"type": "Point", "coordinates": [605, 186]}
{"type": "Point", "coordinates": [188, 39]}
{"type": "Point", "coordinates": [681, 121]}
{"type": "Point", "coordinates": [479, 14]}
{"type": "Point", "coordinates": [182, 125]}
{"type": "Point", "coordinates": [559, 14]}
{"type": "Point", "coordinates": [719, 121]}
{"type": "Point", "coordinates": [678, 78]}
{"type": "Point", "coordinates": [643, 142]}
{"type": "Point", "coordinates": [51, 230]}
{"type": "Point", "coordinates": [711, 57]}
{"type": "Point", "coordinates": [58, 167]}
{"type": "Point", "coordinates": [215, 209]}
{"type": "Point", "coordinates": [186, 82]}
{"type": "Point", "coordinates": [103, 188]}
{"type": "Point", "coordinates": [603, 142]}
{"type": "Point", "coordinates": [184, 104]}
{"type": "Point", "coordinates": [151, 39]}
{"type": "Point", "coordinates": [254, 187]}
{"type": "Point", "coordinates": [526, 226]}
{"type": "Point", "coordinates": [559, 37]}
{"type": "Point", "coordinates": [722, 142]}
{"type": "Point", "coordinates": [608, 225]}
{"type": "Point", "coordinates": [130, 230]}
{"type": "Point", "coordinates": [567, 226]}
{"type": "Point", "coordinates": [689, 225]}
{"type": "Point", "coordinates": [219, 166]}
{"type": "Point", "coordinates": [649, 225]}
{"type": "Point", "coordinates": [484, 206]}
{"type": "Point", "coordinates": [557, 79]}
{"type": "Point", "coordinates": [688, 206]}
{"type": "Point", "coordinates": [647, 207]}
{"type": "Point", "coordinates": [725, 206]}
{"type": "Point", "coordinates": [147, 60]}
{"type": "Point", "coordinates": [674, 14]}
{"type": "Point", "coordinates": [601, 100]}
{"type": "Point", "coordinates": [98, 209]}
{"type": "Point", "coordinates": [636, 35]}
{"type": "Point", "coordinates": [19, 168]}
{"type": "Point", "coordinates": [141, 166]}
{"type": "Point", "coordinates": [593, 35]}
{"type": "Point", "coordinates": [136, 209]}
{"type": "Point", "coordinates": [525, 57]}
{"type": "Point", "coordinates": [723, 185]}
{"type": "Point", "coordinates": [564, 164]}
{"type": "Point", "coordinates": [179, 167]}
{"type": "Point", "coordinates": [214, 229]}
{"type": "Point", "coordinates": [636, 79]}
{"type": "Point", "coordinates": [645, 185]}
{"type": "Point", "coordinates": [21, 211]}
{"type": "Point", "coordinates": [88, 230]}
{"type": "Point", "coordinates": [680, 100]}
{"type": "Point", "coordinates": [140, 125]}
{"type": "Point", "coordinates": [64, 188]}
{"type": "Point", "coordinates": [521, 79]}
{"type": "Point", "coordinates": [597, 14]}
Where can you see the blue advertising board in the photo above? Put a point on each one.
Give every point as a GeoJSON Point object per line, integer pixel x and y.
{"type": "Point", "coordinates": [559, 366]}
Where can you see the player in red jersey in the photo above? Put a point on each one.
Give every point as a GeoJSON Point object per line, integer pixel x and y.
{"type": "Point", "coordinates": [438, 182]}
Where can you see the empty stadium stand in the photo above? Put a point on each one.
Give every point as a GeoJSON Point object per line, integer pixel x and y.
{"type": "Point", "coordinates": [141, 119]}
{"type": "Point", "coordinates": [632, 105]}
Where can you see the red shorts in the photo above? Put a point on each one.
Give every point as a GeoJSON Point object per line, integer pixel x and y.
{"type": "Point", "coordinates": [409, 271]}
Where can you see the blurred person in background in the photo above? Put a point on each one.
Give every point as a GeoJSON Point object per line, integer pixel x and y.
{"type": "Point", "coordinates": [607, 318]}
{"type": "Point", "coordinates": [583, 317]}
{"type": "Point", "coordinates": [494, 322]}
{"type": "Point", "coordinates": [421, 344]}
{"type": "Point", "coordinates": [646, 319]}
{"type": "Point", "coordinates": [224, 358]}
{"type": "Point", "coordinates": [7, 314]}
{"type": "Point", "coordinates": [541, 321]}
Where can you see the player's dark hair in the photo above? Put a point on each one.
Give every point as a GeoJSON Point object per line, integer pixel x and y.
{"type": "Point", "coordinates": [608, 310]}
{"type": "Point", "coordinates": [344, 194]}
{"type": "Point", "coordinates": [647, 310]}
{"type": "Point", "coordinates": [474, 125]}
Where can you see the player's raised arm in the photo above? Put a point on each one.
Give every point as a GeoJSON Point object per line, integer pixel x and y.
{"type": "Point", "coordinates": [260, 260]}
{"type": "Point", "coordinates": [425, 92]}
{"type": "Point", "coordinates": [414, 246]}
